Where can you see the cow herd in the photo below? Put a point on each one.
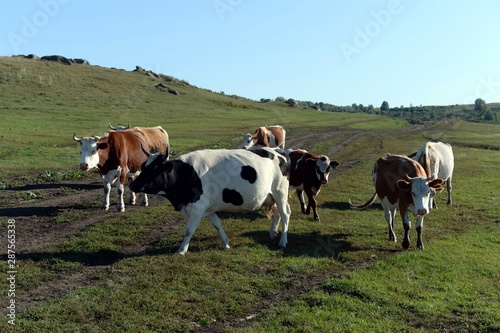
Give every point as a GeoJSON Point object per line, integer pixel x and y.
{"type": "Point", "coordinates": [261, 175]}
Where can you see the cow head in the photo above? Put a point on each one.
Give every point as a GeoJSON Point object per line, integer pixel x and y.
{"type": "Point", "coordinates": [248, 141]}
{"type": "Point", "coordinates": [152, 179]}
{"type": "Point", "coordinates": [422, 190]}
{"type": "Point", "coordinates": [323, 165]}
{"type": "Point", "coordinates": [89, 146]}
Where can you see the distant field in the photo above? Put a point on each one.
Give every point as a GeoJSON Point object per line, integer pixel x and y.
{"type": "Point", "coordinates": [80, 269]}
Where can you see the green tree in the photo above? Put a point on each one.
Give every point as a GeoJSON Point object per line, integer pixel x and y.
{"type": "Point", "coordinates": [384, 106]}
{"type": "Point", "coordinates": [480, 106]}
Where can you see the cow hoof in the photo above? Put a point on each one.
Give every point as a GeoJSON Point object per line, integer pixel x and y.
{"type": "Point", "coordinates": [120, 209]}
{"type": "Point", "coordinates": [420, 246]}
{"type": "Point", "coordinates": [105, 208]}
{"type": "Point", "coordinates": [405, 244]}
{"type": "Point", "coordinates": [225, 247]}
{"type": "Point", "coordinates": [145, 204]}
{"type": "Point", "coordinates": [316, 219]}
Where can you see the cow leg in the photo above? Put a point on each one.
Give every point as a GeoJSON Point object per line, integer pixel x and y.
{"type": "Point", "coordinates": [121, 203]}
{"type": "Point", "coordinates": [145, 201]}
{"type": "Point", "coordinates": [273, 231]}
{"type": "Point", "coordinates": [419, 226]}
{"type": "Point", "coordinates": [284, 212]}
{"type": "Point", "coordinates": [133, 198]}
{"type": "Point", "coordinates": [448, 188]}
{"type": "Point", "coordinates": [390, 215]}
{"type": "Point", "coordinates": [193, 221]}
{"type": "Point", "coordinates": [216, 223]}
{"type": "Point", "coordinates": [300, 195]}
{"type": "Point", "coordinates": [406, 225]}
{"type": "Point", "coordinates": [312, 203]}
{"type": "Point", "coordinates": [107, 190]}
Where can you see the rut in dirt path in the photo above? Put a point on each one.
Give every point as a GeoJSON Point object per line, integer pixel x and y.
{"type": "Point", "coordinates": [94, 271]}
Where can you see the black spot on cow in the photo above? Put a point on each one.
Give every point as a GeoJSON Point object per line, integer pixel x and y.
{"type": "Point", "coordinates": [232, 196]}
{"type": "Point", "coordinates": [248, 173]}
{"type": "Point", "coordinates": [262, 152]}
{"type": "Point", "coordinates": [177, 179]}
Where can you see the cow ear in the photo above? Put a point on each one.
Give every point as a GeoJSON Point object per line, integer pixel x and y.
{"type": "Point", "coordinates": [102, 145]}
{"type": "Point", "coordinates": [437, 184]}
{"type": "Point", "coordinates": [334, 164]}
{"type": "Point", "coordinates": [169, 166]}
{"type": "Point", "coordinates": [404, 185]}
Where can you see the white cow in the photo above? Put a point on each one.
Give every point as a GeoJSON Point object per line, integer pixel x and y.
{"type": "Point", "coordinates": [201, 183]}
{"type": "Point", "coordinates": [437, 160]}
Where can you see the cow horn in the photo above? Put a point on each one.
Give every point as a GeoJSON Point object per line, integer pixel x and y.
{"type": "Point", "coordinates": [408, 178]}
{"type": "Point", "coordinates": [76, 139]}
{"type": "Point", "coordinates": [145, 151]}
{"type": "Point", "coordinates": [113, 128]}
{"type": "Point", "coordinates": [128, 126]}
{"type": "Point", "coordinates": [97, 138]}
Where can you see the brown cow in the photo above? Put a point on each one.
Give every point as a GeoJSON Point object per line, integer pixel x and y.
{"type": "Point", "coordinates": [117, 155]}
{"type": "Point", "coordinates": [307, 173]}
{"type": "Point", "coordinates": [156, 137]}
{"type": "Point", "coordinates": [266, 136]}
{"type": "Point", "coordinates": [401, 183]}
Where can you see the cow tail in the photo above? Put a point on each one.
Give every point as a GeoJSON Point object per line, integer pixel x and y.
{"type": "Point", "coordinates": [366, 204]}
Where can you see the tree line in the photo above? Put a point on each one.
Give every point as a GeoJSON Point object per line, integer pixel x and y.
{"type": "Point", "coordinates": [479, 112]}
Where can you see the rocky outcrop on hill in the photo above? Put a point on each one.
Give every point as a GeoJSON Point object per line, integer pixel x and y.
{"type": "Point", "coordinates": [292, 103]}
{"type": "Point", "coordinates": [57, 58]}
{"type": "Point", "coordinates": [161, 86]}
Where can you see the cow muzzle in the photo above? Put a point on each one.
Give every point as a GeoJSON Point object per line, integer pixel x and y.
{"type": "Point", "coordinates": [422, 212]}
{"type": "Point", "coordinates": [84, 166]}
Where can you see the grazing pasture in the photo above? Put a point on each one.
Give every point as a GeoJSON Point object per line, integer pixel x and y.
{"type": "Point", "coordinates": [82, 269]}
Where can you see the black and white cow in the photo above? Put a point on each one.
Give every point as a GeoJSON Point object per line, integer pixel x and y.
{"type": "Point", "coordinates": [201, 183]}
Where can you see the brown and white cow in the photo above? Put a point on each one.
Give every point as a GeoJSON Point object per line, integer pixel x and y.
{"type": "Point", "coordinates": [307, 173]}
{"type": "Point", "coordinates": [156, 137]}
{"type": "Point", "coordinates": [266, 136]}
{"type": "Point", "coordinates": [437, 160]}
{"type": "Point", "coordinates": [117, 155]}
{"type": "Point", "coordinates": [401, 183]}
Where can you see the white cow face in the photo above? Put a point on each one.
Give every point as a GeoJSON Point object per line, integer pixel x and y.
{"type": "Point", "coordinates": [422, 190]}
{"type": "Point", "coordinates": [247, 141]}
{"type": "Point", "coordinates": [323, 167]}
{"type": "Point", "coordinates": [89, 157]}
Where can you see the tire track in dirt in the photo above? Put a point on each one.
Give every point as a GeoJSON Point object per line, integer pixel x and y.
{"type": "Point", "coordinates": [93, 273]}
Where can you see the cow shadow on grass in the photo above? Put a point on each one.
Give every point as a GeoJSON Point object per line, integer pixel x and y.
{"type": "Point", "coordinates": [40, 211]}
{"type": "Point", "coordinates": [51, 186]}
{"type": "Point", "coordinates": [312, 244]}
{"type": "Point", "coordinates": [98, 258]}
{"type": "Point", "coordinates": [342, 205]}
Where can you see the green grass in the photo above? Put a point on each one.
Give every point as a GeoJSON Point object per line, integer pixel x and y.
{"type": "Point", "coordinates": [338, 275]}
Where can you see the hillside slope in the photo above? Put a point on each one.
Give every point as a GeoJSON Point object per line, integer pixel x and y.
{"type": "Point", "coordinates": [44, 103]}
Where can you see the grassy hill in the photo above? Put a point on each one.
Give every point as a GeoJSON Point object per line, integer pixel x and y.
{"type": "Point", "coordinates": [43, 103]}
{"type": "Point", "coordinates": [80, 269]}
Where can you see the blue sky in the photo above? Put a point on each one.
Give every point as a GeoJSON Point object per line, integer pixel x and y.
{"type": "Point", "coordinates": [340, 52]}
